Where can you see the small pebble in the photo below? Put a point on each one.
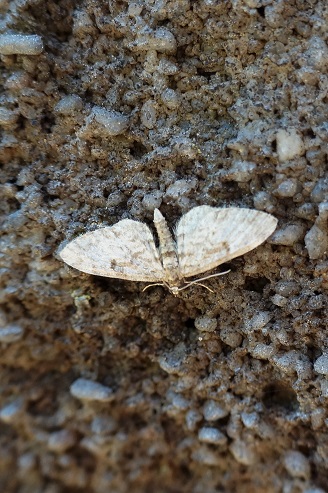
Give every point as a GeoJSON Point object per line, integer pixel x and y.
{"type": "Point", "coordinates": [88, 390]}
{"type": "Point", "coordinates": [8, 117]}
{"type": "Point", "coordinates": [166, 67]}
{"type": "Point", "coordinates": [316, 242]}
{"type": "Point", "coordinates": [12, 412]}
{"type": "Point", "coordinates": [288, 235]}
{"type": "Point", "coordinates": [258, 322]}
{"type": "Point", "coordinates": [279, 300]}
{"type": "Point", "coordinates": [11, 333]}
{"type": "Point", "coordinates": [208, 434]}
{"type": "Point", "coordinates": [113, 122]}
{"type": "Point", "coordinates": [192, 419]}
{"type": "Point", "coordinates": [320, 190]}
{"type": "Point", "coordinates": [206, 457]}
{"type": "Point", "coordinates": [68, 105]}
{"type": "Point", "coordinates": [317, 53]}
{"type": "Point", "coordinates": [287, 288]}
{"type": "Point", "coordinates": [231, 337]}
{"type": "Point", "coordinates": [243, 453]}
{"type": "Point", "coordinates": [286, 362]}
{"type": "Point", "coordinates": [321, 365]}
{"type": "Point", "coordinates": [287, 188]}
{"type": "Point", "coordinates": [185, 147]}
{"type": "Point", "coordinates": [180, 188]}
{"type": "Point", "coordinates": [289, 144]}
{"type": "Point", "coordinates": [297, 465]}
{"type": "Point", "coordinates": [178, 401]}
{"type": "Point", "coordinates": [172, 361]}
{"type": "Point", "coordinates": [20, 44]}
{"type": "Point", "coordinates": [60, 441]}
{"type": "Point", "coordinates": [324, 387]}
{"type": "Point", "coordinates": [206, 324]}
{"type": "Point", "coordinates": [148, 114]}
{"type": "Point", "coordinates": [152, 200]}
{"type": "Point", "coordinates": [212, 411]}
{"type": "Point", "coordinates": [170, 98]}
{"type": "Point", "coordinates": [102, 425]}
{"type": "Point", "coordinates": [241, 171]}
{"type": "Point", "coordinates": [250, 420]}
{"type": "Point", "coordinates": [263, 351]}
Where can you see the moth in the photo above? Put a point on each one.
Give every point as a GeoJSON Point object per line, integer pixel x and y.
{"type": "Point", "coordinates": [204, 238]}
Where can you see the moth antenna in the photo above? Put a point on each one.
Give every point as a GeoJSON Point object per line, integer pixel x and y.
{"type": "Point", "coordinates": [151, 285]}
{"type": "Point", "coordinates": [208, 277]}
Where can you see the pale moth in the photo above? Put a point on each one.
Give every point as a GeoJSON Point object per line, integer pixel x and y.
{"type": "Point", "coordinates": [205, 237]}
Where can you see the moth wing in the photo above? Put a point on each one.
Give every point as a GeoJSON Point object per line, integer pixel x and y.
{"type": "Point", "coordinates": [125, 251]}
{"type": "Point", "coordinates": [209, 236]}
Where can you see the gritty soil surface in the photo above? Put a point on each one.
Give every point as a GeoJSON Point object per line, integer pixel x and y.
{"type": "Point", "coordinates": [108, 110]}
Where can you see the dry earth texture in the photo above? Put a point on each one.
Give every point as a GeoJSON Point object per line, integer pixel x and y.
{"type": "Point", "coordinates": [108, 110]}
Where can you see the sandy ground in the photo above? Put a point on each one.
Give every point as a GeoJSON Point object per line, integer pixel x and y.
{"type": "Point", "coordinates": [108, 110]}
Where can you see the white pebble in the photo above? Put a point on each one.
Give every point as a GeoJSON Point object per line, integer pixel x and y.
{"type": "Point", "coordinates": [243, 453]}
{"type": "Point", "coordinates": [192, 419]}
{"type": "Point", "coordinates": [172, 362]}
{"type": "Point", "coordinates": [59, 441]}
{"type": "Point", "coordinates": [177, 400]}
{"type": "Point", "coordinates": [20, 44]}
{"type": "Point", "coordinates": [206, 324]}
{"type": "Point", "coordinates": [263, 351]}
{"type": "Point", "coordinates": [208, 434]}
{"type": "Point", "coordinates": [102, 425]}
{"type": "Point", "coordinates": [185, 147]}
{"type": "Point", "coordinates": [88, 390]}
{"type": "Point", "coordinates": [320, 191]}
{"type": "Point", "coordinates": [180, 188]}
{"type": "Point", "coordinates": [134, 9]}
{"type": "Point", "coordinates": [316, 242]}
{"type": "Point", "coordinates": [152, 200]}
{"type": "Point", "coordinates": [258, 322]}
{"type": "Point", "coordinates": [170, 98]}
{"type": "Point", "coordinates": [241, 171]}
{"type": "Point", "coordinates": [10, 413]}
{"type": "Point", "coordinates": [289, 144]}
{"type": "Point", "coordinates": [68, 105]}
{"type": "Point", "coordinates": [324, 387]}
{"type": "Point", "coordinates": [289, 362]}
{"type": "Point", "coordinates": [321, 365]}
{"type": "Point", "coordinates": [250, 420]}
{"type": "Point", "coordinates": [279, 300]}
{"type": "Point", "coordinates": [288, 235]}
{"type": "Point", "coordinates": [113, 122]}
{"type": "Point", "coordinates": [8, 117]}
{"type": "Point", "coordinates": [296, 464]}
{"type": "Point", "coordinates": [212, 411]}
{"type": "Point", "coordinates": [163, 41]}
{"type": "Point", "coordinates": [166, 67]}
{"type": "Point", "coordinates": [148, 114]}
{"type": "Point", "coordinates": [317, 53]}
{"type": "Point", "coordinates": [230, 336]}
{"type": "Point", "coordinates": [11, 333]}
{"type": "Point", "coordinates": [287, 188]}
{"type": "Point", "coordinates": [207, 457]}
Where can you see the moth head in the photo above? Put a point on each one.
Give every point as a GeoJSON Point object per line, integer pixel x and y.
{"type": "Point", "coordinates": [174, 290]}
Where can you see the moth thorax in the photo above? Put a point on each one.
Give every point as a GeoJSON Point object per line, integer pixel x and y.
{"type": "Point", "coordinates": [167, 249]}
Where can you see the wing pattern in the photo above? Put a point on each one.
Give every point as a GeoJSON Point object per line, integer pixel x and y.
{"type": "Point", "coordinates": [209, 236]}
{"type": "Point", "coordinates": [125, 251]}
